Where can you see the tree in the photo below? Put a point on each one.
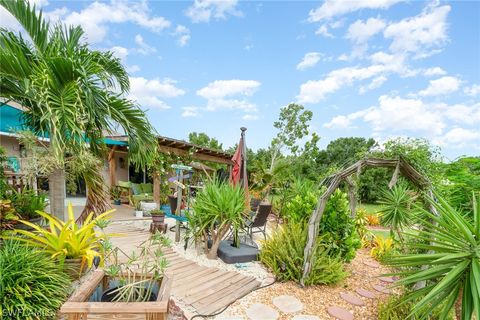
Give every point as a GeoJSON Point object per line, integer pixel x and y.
{"type": "Point", "coordinates": [203, 140]}
{"type": "Point", "coordinates": [70, 93]}
{"type": "Point", "coordinates": [343, 152]}
{"type": "Point", "coordinates": [292, 126]}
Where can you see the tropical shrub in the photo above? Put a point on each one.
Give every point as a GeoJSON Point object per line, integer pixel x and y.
{"type": "Point", "coordinates": [337, 228]}
{"type": "Point", "coordinates": [373, 220]}
{"type": "Point", "coordinates": [283, 254]}
{"type": "Point", "coordinates": [300, 208]}
{"type": "Point", "coordinates": [397, 212]}
{"type": "Point", "coordinates": [450, 269]}
{"type": "Point", "coordinates": [217, 207]}
{"type": "Point", "coordinates": [65, 240]}
{"type": "Point", "coordinates": [382, 248]}
{"type": "Point", "coordinates": [27, 202]}
{"type": "Point", "coordinates": [361, 222]}
{"type": "Point", "coordinates": [8, 216]}
{"type": "Point", "coordinates": [394, 308]}
{"type": "Point", "coordinates": [32, 285]}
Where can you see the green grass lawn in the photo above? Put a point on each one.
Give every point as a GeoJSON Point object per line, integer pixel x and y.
{"type": "Point", "coordinates": [381, 233]}
{"type": "Point", "coordinates": [371, 208]}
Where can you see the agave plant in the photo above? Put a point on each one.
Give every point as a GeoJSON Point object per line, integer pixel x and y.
{"type": "Point", "coordinates": [65, 240]}
{"type": "Point", "coordinates": [450, 268]}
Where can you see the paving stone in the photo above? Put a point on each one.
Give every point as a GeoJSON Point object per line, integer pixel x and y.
{"type": "Point", "coordinates": [305, 317]}
{"type": "Point", "coordinates": [387, 279]}
{"type": "Point", "coordinates": [372, 264]}
{"type": "Point", "coordinates": [340, 313]}
{"type": "Point", "coordinates": [288, 304]}
{"type": "Point", "coordinates": [352, 299]}
{"type": "Point", "coordinates": [259, 311]}
{"type": "Point", "coordinates": [366, 293]}
{"type": "Point", "coordinates": [381, 289]}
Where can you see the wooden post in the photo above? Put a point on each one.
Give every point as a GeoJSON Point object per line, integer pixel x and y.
{"type": "Point", "coordinates": [179, 205]}
{"type": "Point", "coordinates": [112, 165]}
{"type": "Point", "coordinates": [156, 188]}
{"type": "Point", "coordinates": [352, 201]}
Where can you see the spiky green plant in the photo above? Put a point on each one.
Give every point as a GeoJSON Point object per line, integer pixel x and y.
{"type": "Point", "coordinates": [451, 267]}
{"type": "Point", "coordinates": [283, 254]}
{"type": "Point", "coordinates": [32, 285]}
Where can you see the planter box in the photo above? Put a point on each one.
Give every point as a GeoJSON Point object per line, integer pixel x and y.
{"type": "Point", "coordinates": [81, 307]}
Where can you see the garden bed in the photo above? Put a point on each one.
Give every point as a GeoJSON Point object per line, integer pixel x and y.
{"type": "Point", "coordinates": [84, 302]}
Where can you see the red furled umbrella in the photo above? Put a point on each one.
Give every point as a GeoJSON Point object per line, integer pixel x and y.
{"type": "Point", "coordinates": [238, 174]}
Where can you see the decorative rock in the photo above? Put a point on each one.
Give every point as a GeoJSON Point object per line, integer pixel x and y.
{"type": "Point", "coordinates": [372, 264]}
{"type": "Point", "coordinates": [381, 289]}
{"type": "Point", "coordinates": [287, 304]}
{"type": "Point", "coordinates": [387, 279]}
{"type": "Point", "coordinates": [350, 298]}
{"type": "Point", "coordinates": [340, 313]}
{"type": "Point", "coordinates": [305, 317]}
{"type": "Point", "coordinates": [366, 293]}
{"type": "Point", "coordinates": [259, 311]}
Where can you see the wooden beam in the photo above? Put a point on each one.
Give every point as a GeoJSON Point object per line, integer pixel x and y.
{"type": "Point", "coordinates": [114, 307]}
{"type": "Point", "coordinates": [196, 155]}
{"type": "Point", "coordinates": [112, 166]}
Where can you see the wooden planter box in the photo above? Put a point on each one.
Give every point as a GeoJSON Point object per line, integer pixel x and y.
{"type": "Point", "coordinates": [78, 306]}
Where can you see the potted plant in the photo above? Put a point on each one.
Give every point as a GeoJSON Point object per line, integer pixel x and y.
{"type": "Point", "coordinates": [73, 246]}
{"type": "Point", "coordinates": [27, 204]}
{"type": "Point", "coordinates": [158, 216]}
{"type": "Point", "coordinates": [115, 193]}
{"type": "Point", "coordinates": [138, 208]}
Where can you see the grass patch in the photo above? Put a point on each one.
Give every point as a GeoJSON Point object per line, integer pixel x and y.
{"type": "Point", "coordinates": [371, 208]}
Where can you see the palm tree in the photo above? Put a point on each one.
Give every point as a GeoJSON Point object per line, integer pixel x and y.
{"type": "Point", "coordinates": [70, 93]}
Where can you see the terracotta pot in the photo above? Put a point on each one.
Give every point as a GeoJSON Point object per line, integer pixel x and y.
{"type": "Point", "coordinates": [158, 218]}
{"type": "Point", "coordinates": [73, 267]}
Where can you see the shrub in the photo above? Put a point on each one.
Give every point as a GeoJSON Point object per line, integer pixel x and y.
{"type": "Point", "coordinates": [382, 248]}
{"type": "Point", "coordinates": [27, 203]}
{"type": "Point", "coordinates": [337, 228]}
{"type": "Point", "coordinates": [300, 208]}
{"type": "Point", "coordinates": [394, 308]}
{"type": "Point", "coordinates": [373, 220]}
{"type": "Point", "coordinates": [32, 285]}
{"type": "Point", "coordinates": [283, 254]}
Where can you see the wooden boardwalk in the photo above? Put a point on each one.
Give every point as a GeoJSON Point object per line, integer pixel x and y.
{"type": "Point", "coordinates": [205, 289]}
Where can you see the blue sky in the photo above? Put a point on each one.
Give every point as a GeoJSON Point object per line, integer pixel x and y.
{"type": "Point", "coordinates": [372, 68]}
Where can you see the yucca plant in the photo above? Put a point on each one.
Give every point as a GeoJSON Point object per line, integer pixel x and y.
{"type": "Point", "coordinates": [397, 211]}
{"type": "Point", "coordinates": [450, 268]}
{"type": "Point", "coordinates": [32, 285]}
{"type": "Point", "coordinates": [65, 240]}
{"type": "Point", "coordinates": [217, 207]}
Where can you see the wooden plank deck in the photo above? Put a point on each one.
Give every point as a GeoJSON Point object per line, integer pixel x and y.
{"type": "Point", "coordinates": [205, 289]}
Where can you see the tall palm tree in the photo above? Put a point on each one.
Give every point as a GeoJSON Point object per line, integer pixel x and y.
{"type": "Point", "coordinates": [71, 94]}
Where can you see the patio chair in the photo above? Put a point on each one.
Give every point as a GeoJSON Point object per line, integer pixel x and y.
{"type": "Point", "coordinates": [258, 223]}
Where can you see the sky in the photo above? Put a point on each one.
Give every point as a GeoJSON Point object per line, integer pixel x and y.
{"type": "Point", "coordinates": [371, 68]}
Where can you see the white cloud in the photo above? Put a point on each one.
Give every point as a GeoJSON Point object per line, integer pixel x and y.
{"type": "Point", "coordinates": [120, 52]}
{"type": "Point", "coordinates": [133, 68]}
{"type": "Point", "coordinates": [183, 34]}
{"type": "Point", "coordinates": [250, 117]}
{"type": "Point", "coordinates": [420, 34]}
{"type": "Point", "coordinates": [143, 47]}
{"type": "Point", "coordinates": [96, 17]}
{"type": "Point", "coordinates": [223, 88]}
{"type": "Point", "coordinates": [323, 31]}
{"type": "Point", "coordinates": [473, 90]}
{"type": "Point", "coordinates": [460, 113]}
{"type": "Point", "coordinates": [309, 60]}
{"type": "Point", "coordinates": [245, 105]}
{"type": "Point", "coordinates": [436, 71]}
{"type": "Point", "coordinates": [459, 138]}
{"type": "Point", "coordinates": [442, 86]}
{"type": "Point", "coordinates": [149, 93]}
{"type": "Point", "coordinates": [333, 8]}
{"type": "Point", "coordinates": [205, 10]}
{"type": "Point", "coordinates": [190, 112]}
{"type": "Point", "coordinates": [375, 83]}
{"type": "Point", "coordinates": [360, 31]}
{"type": "Point", "coordinates": [340, 122]}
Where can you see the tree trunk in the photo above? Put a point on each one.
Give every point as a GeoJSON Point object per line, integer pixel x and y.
{"type": "Point", "coordinates": [458, 304]}
{"type": "Point", "coordinates": [156, 188]}
{"type": "Point", "coordinates": [56, 184]}
{"type": "Point", "coordinates": [212, 253]}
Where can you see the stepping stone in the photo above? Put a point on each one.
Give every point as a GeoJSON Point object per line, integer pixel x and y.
{"type": "Point", "coordinates": [259, 311]}
{"type": "Point", "coordinates": [352, 299]}
{"type": "Point", "coordinates": [288, 304]}
{"type": "Point", "coordinates": [381, 289]}
{"type": "Point", "coordinates": [340, 313]}
{"type": "Point", "coordinates": [372, 264]}
{"type": "Point", "coordinates": [305, 317]}
{"type": "Point", "coordinates": [387, 279]}
{"type": "Point", "coordinates": [366, 293]}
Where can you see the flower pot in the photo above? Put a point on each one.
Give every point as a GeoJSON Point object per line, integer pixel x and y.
{"type": "Point", "coordinates": [74, 268]}
{"type": "Point", "coordinates": [109, 295]}
{"type": "Point", "coordinates": [139, 213]}
{"type": "Point", "coordinates": [22, 226]}
{"type": "Point", "coordinates": [158, 218]}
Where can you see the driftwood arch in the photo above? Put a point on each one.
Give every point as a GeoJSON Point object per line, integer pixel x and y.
{"type": "Point", "coordinates": [400, 165]}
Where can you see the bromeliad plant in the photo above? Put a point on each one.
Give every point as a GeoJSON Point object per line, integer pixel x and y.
{"type": "Point", "coordinates": [450, 269]}
{"type": "Point", "coordinates": [66, 240]}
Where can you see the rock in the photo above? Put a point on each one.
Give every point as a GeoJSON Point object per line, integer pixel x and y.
{"type": "Point", "coordinates": [259, 311]}
{"type": "Point", "coordinates": [372, 264]}
{"type": "Point", "coordinates": [288, 304]}
{"type": "Point", "coordinates": [366, 293]}
{"type": "Point", "coordinates": [387, 279]}
{"type": "Point", "coordinates": [381, 289]}
{"type": "Point", "coordinates": [340, 313]}
{"type": "Point", "coordinates": [305, 317]}
{"type": "Point", "coordinates": [352, 299]}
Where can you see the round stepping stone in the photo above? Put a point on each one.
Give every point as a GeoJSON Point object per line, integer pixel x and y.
{"type": "Point", "coordinates": [259, 311]}
{"type": "Point", "coordinates": [305, 317]}
{"type": "Point", "coordinates": [366, 293]}
{"type": "Point", "coordinates": [372, 264]}
{"type": "Point", "coordinates": [288, 304]}
{"type": "Point", "coordinates": [352, 299]}
{"type": "Point", "coordinates": [387, 279]}
{"type": "Point", "coordinates": [381, 289]}
{"type": "Point", "coordinates": [340, 313]}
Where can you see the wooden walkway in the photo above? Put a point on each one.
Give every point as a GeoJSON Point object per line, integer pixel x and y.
{"type": "Point", "coordinates": [206, 289]}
